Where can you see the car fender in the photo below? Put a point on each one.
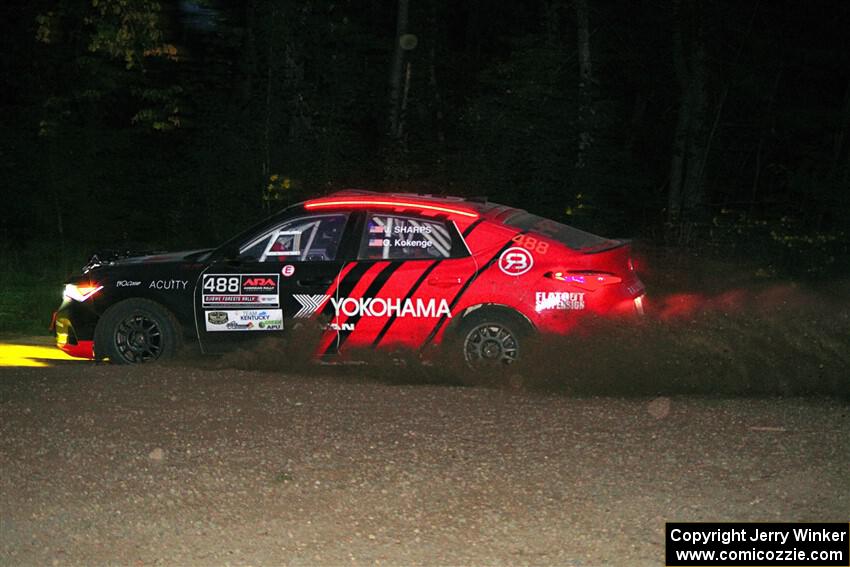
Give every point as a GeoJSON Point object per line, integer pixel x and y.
{"type": "Point", "coordinates": [496, 308]}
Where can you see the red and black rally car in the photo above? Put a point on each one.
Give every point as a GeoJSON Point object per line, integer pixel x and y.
{"type": "Point", "coordinates": [375, 270]}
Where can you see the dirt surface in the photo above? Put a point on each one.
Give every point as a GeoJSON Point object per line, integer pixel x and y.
{"type": "Point", "coordinates": [178, 466]}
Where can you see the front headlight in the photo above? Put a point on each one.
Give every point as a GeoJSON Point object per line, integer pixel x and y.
{"type": "Point", "coordinates": [80, 292]}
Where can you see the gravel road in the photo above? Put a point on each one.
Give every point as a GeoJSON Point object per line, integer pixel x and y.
{"type": "Point", "coordinates": [186, 466]}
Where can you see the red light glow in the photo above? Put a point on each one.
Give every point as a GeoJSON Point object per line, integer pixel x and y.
{"type": "Point", "coordinates": [392, 203]}
{"type": "Point", "coordinates": [591, 281]}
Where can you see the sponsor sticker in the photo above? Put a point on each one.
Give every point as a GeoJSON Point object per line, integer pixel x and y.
{"type": "Point", "coordinates": [214, 300]}
{"type": "Point", "coordinates": [168, 284]}
{"type": "Point", "coordinates": [515, 261]}
{"type": "Point", "coordinates": [245, 320]}
{"type": "Point", "coordinates": [217, 317]}
{"type": "Point", "coordinates": [259, 284]}
{"type": "Point", "coordinates": [288, 271]}
{"type": "Point", "coordinates": [127, 283]}
{"type": "Point", "coordinates": [310, 304]}
{"type": "Point", "coordinates": [413, 229]}
{"type": "Point", "coordinates": [412, 243]}
{"type": "Point", "coordinates": [221, 290]}
{"type": "Point", "coordinates": [380, 307]}
{"type": "Point", "coordinates": [558, 300]}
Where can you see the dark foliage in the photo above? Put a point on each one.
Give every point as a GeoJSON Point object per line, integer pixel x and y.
{"type": "Point", "coordinates": [164, 123]}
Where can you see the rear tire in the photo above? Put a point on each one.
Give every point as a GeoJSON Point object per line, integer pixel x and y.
{"type": "Point", "coordinates": [493, 341]}
{"type": "Point", "coordinates": [136, 331]}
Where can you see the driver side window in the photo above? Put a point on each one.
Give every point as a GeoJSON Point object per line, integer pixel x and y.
{"type": "Point", "coordinates": [306, 239]}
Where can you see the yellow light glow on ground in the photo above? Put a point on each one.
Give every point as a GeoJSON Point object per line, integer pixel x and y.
{"type": "Point", "coordinates": [31, 355]}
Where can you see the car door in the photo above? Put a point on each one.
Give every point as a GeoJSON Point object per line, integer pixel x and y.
{"type": "Point", "coordinates": [410, 269]}
{"type": "Point", "coordinates": [279, 284]}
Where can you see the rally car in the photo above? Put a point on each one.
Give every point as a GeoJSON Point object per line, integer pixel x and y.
{"type": "Point", "coordinates": [371, 270]}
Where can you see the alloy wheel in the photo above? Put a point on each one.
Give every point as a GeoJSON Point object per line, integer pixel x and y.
{"type": "Point", "coordinates": [138, 338]}
{"type": "Point", "coordinates": [490, 345]}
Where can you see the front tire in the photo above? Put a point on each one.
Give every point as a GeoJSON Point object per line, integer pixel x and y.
{"type": "Point", "coordinates": [136, 331]}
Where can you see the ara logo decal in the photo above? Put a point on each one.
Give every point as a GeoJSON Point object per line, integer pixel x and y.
{"type": "Point", "coordinates": [515, 261]}
{"type": "Point", "coordinates": [259, 284]}
{"type": "Point", "coordinates": [310, 304]}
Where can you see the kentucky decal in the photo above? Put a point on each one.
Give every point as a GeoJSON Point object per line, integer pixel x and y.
{"type": "Point", "coordinates": [245, 320]}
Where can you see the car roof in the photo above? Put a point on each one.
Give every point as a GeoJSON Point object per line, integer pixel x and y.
{"type": "Point", "coordinates": [470, 208]}
{"type": "Point", "coordinates": [464, 211]}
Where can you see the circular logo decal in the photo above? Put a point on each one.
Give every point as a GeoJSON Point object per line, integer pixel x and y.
{"type": "Point", "coordinates": [287, 270]}
{"type": "Point", "coordinates": [515, 261]}
{"type": "Point", "coordinates": [217, 317]}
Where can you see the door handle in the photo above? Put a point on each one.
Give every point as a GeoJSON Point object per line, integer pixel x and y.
{"type": "Point", "coordinates": [444, 282]}
{"type": "Point", "coordinates": [315, 281]}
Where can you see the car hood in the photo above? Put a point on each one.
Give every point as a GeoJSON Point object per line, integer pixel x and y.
{"type": "Point", "coordinates": [112, 258]}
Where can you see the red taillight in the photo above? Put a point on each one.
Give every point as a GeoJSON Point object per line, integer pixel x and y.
{"type": "Point", "coordinates": [591, 281]}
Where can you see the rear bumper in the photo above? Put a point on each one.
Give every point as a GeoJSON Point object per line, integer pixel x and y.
{"type": "Point", "coordinates": [639, 304]}
{"type": "Point", "coordinates": [577, 310]}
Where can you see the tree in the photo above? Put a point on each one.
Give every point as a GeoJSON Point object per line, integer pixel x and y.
{"type": "Point", "coordinates": [585, 85]}
{"type": "Point", "coordinates": [399, 79]}
{"type": "Point", "coordinates": [686, 191]}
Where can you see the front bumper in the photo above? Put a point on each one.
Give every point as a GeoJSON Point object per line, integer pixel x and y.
{"type": "Point", "coordinates": [73, 328]}
{"type": "Point", "coordinates": [67, 341]}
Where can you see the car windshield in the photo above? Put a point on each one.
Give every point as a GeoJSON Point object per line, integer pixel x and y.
{"type": "Point", "coordinates": [567, 235]}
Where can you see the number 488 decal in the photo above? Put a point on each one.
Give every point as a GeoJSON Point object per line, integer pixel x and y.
{"type": "Point", "coordinates": [531, 243]}
{"type": "Point", "coordinates": [222, 284]}
{"type": "Point", "coordinates": [220, 290]}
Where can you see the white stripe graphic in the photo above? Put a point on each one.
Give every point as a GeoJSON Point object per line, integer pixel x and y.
{"type": "Point", "coordinates": [309, 304]}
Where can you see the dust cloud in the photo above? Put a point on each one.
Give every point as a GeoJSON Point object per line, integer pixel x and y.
{"type": "Point", "coordinates": [776, 340]}
{"type": "Point", "coordinates": [754, 340]}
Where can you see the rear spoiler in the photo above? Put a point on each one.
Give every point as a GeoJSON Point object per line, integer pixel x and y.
{"type": "Point", "coordinates": [605, 247]}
